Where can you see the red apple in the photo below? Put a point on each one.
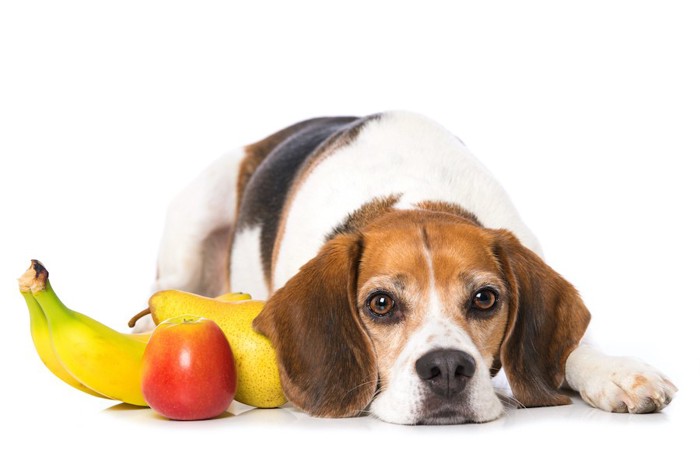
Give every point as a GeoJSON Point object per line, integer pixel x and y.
{"type": "Point", "coordinates": [188, 369]}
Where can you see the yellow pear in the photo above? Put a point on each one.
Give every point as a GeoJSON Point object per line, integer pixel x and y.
{"type": "Point", "coordinates": [234, 297]}
{"type": "Point", "coordinates": [256, 364]}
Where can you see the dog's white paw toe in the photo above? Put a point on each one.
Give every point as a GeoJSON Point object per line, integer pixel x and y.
{"type": "Point", "coordinates": [627, 385]}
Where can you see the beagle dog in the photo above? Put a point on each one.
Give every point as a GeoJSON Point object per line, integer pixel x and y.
{"type": "Point", "coordinates": [399, 277]}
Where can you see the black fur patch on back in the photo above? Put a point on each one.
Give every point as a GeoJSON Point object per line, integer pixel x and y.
{"type": "Point", "coordinates": [265, 194]}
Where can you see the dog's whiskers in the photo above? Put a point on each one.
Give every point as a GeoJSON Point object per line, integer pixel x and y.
{"type": "Point", "coordinates": [355, 388]}
{"type": "Point", "coordinates": [377, 390]}
{"type": "Point", "coordinates": [509, 401]}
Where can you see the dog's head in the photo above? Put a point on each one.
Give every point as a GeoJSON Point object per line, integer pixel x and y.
{"type": "Point", "coordinates": [408, 313]}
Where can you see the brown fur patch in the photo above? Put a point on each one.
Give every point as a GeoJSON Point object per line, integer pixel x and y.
{"type": "Point", "coordinates": [365, 214]}
{"type": "Point", "coordinates": [326, 360]}
{"type": "Point", "coordinates": [639, 381]}
{"type": "Point", "coordinates": [216, 267]}
{"type": "Point", "coordinates": [547, 321]}
{"type": "Point", "coordinates": [450, 208]}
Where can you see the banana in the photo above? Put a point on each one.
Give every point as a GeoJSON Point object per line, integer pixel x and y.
{"type": "Point", "coordinates": [39, 328]}
{"type": "Point", "coordinates": [106, 361]}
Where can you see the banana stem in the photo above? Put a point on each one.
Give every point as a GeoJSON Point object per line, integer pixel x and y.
{"type": "Point", "coordinates": [138, 316]}
{"type": "Point", "coordinates": [34, 279]}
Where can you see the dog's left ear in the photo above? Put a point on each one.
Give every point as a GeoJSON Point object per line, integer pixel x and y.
{"type": "Point", "coordinates": [546, 322]}
{"type": "Point", "coordinates": [325, 357]}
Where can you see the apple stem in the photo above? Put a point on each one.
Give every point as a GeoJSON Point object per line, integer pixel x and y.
{"type": "Point", "coordinates": [138, 316]}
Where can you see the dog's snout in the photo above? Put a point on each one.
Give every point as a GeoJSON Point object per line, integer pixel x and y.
{"type": "Point", "coordinates": [446, 371]}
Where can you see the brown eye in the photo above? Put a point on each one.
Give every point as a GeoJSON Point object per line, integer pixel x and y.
{"type": "Point", "coordinates": [380, 304]}
{"type": "Point", "coordinates": [484, 300]}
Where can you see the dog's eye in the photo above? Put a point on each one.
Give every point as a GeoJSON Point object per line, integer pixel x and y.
{"type": "Point", "coordinates": [484, 300]}
{"type": "Point", "coordinates": [381, 304]}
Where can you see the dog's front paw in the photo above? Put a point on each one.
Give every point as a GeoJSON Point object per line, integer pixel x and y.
{"type": "Point", "coordinates": [623, 384]}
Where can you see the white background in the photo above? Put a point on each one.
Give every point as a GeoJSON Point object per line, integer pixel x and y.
{"type": "Point", "coordinates": [589, 113]}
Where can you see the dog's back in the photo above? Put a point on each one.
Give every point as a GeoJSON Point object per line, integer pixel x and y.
{"type": "Point", "coordinates": [310, 177]}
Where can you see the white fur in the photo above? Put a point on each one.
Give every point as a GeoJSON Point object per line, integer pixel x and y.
{"type": "Point", "coordinates": [617, 384]}
{"type": "Point", "coordinates": [400, 401]}
{"type": "Point", "coordinates": [246, 268]}
{"type": "Point", "coordinates": [400, 153]}
{"type": "Point", "coordinates": [205, 205]}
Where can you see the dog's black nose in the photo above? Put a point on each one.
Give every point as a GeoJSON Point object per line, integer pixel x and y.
{"type": "Point", "coordinates": [446, 371]}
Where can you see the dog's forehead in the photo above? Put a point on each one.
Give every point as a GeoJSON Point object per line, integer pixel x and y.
{"type": "Point", "coordinates": [460, 251]}
{"type": "Point", "coordinates": [405, 243]}
{"type": "Point", "coordinates": [392, 250]}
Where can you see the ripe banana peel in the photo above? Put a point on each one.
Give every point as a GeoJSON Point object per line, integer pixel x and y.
{"type": "Point", "coordinates": [93, 355]}
{"type": "Point", "coordinates": [39, 328]}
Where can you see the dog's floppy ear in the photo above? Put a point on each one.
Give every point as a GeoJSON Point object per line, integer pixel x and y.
{"type": "Point", "coordinates": [326, 359]}
{"type": "Point", "coordinates": [546, 322]}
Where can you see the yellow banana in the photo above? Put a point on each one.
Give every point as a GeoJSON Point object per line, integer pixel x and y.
{"type": "Point", "coordinates": [39, 328]}
{"type": "Point", "coordinates": [106, 361]}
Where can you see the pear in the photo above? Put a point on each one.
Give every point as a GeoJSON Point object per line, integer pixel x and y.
{"type": "Point", "coordinates": [256, 364]}
{"type": "Point", "coordinates": [234, 297]}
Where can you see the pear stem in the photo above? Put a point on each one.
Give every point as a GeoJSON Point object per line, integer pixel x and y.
{"type": "Point", "coordinates": [138, 316]}
{"type": "Point", "coordinates": [34, 279]}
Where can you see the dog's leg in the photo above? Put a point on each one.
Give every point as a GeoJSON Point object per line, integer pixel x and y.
{"type": "Point", "coordinates": [617, 384]}
{"type": "Point", "coordinates": [194, 251]}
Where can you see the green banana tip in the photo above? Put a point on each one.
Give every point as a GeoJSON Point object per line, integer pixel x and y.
{"type": "Point", "coordinates": [34, 278]}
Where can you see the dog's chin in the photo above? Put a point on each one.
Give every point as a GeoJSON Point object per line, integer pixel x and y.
{"type": "Point", "coordinates": [431, 411]}
{"type": "Point", "coordinates": [450, 417]}
{"type": "Point", "coordinates": [443, 417]}
{"type": "Point", "coordinates": [455, 416]}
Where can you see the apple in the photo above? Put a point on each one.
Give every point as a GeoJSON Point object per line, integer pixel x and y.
{"type": "Point", "coordinates": [188, 370]}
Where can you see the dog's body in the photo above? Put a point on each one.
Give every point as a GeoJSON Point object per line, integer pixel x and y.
{"type": "Point", "coordinates": [400, 277]}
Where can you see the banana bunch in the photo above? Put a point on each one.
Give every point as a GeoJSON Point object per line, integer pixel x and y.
{"type": "Point", "coordinates": [81, 351]}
